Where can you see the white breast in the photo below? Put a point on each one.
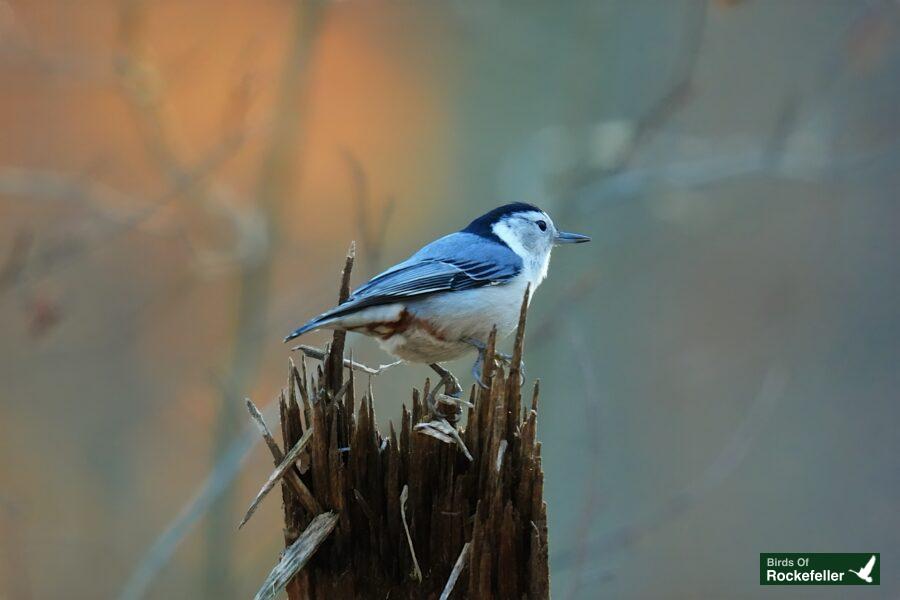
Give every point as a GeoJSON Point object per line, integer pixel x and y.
{"type": "Point", "coordinates": [472, 313]}
{"type": "Point", "coordinates": [444, 321]}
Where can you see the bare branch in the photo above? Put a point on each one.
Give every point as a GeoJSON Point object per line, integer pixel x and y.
{"type": "Point", "coordinates": [320, 354]}
{"type": "Point", "coordinates": [13, 265]}
{"type": "Point", "coordinates": [286, 464]}
{"type": "Point", "coordinates": [209, 491]}
{"type": "Point", "coordinates": [122, 212]}
{"type": "Point", "coordinates": [592, 419]}
{"type": "Point", "coordinates": [372, 234]}
{"type": "Point", "coordinates": [292, 476]}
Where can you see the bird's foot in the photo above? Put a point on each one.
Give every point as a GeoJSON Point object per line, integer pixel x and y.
{"type": "Point", "coordinates": [504, 359]}
{"type": "Point", "coordinates": [446, 408]}
{"type": "Point", "coordinates": [446, 405]}
{"type": "Point", "coordinates": [507, 360]}
{"type": "Point", "coordinates": [478, 369]}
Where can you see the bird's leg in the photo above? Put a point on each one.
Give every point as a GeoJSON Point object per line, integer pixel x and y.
{"type": "Point", "coordinates": [451, 383]}
{"type": "Point", "coordinates": [451, 386]}
{"type": "Point", "coordinates": [477, 369]}
{"type": "Point", "coordinates": [506, 360]}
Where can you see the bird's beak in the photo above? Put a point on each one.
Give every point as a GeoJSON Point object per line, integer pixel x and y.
{"type": "Point", "coordinates": [564, 237]}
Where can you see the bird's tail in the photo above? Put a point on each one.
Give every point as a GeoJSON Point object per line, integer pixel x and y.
{"type": "Point", "coordinates": [309, 326]}
{"type": "Point", "coordinates": [322, 320]}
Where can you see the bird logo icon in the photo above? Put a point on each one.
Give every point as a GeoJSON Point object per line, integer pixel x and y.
{"type": "Point", "coordinates": [866, 572]}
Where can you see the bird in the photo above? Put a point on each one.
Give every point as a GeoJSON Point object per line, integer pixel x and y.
{"type": "Point", "coordinates": [866, 572]}
{"type": "Point", "coordinates": [443, 301]}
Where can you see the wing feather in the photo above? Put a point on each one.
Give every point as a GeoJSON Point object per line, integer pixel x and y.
{"type": "Point", "coordinates": [427, 277]}
{"type": "Point", "coordinates": [456, 262]}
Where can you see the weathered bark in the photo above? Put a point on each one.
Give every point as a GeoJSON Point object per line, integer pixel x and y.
{"type": "Point", "coordinates": [493, 503]}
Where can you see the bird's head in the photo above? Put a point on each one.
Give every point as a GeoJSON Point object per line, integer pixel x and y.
{"type": "Point", "coordinates": [526, 229]}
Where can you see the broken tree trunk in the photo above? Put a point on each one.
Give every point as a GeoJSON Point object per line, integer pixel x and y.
{"type": "Point", "coordinates": [415, 518]}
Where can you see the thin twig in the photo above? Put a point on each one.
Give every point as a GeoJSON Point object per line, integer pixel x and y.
{"type": "Point", "coordinates": [209, 491]}
{"type": "Point", "coordinates": [42, 184]}
{"type": "Point", "coordinates": [264, 430]}
{"type": "Point", "coordinates": [454, 433]}
{"type": "Point", "coordinates": [319, 354]}
{"type": "Point", "coordinates": [417, 572]}
{"type": "Point", "coordinates": [454, 574]}
{"type": "Point", "coordinates": [15, 261]}
{"type": "Point", "coordinates": [292, 476]}
{"type": "Point", "coordinates": [592, 419]}
{"type": "Point", "coordinates": [660, 112]}
{"type": "Point", "coordinates": [278, 473]}
{"type": "Point", "coordinates": [371, 234]}
{"type": "Point", "coordinates": [442, 430]}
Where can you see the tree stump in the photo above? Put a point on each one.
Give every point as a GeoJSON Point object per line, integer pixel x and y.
{"type": "Point", "coordinates": [415, 518]}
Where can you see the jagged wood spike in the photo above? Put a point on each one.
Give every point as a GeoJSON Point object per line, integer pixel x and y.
{"type": "Point", "coordinates": [286, 463]}
{"type": "Point", "coordinates": [334, 365]}
{"type": "Point", "coordinates": [296, 557]}
{"type": "Point", "coordinates": [292, 476]}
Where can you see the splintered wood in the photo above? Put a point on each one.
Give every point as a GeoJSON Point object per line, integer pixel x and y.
{"type": "Point", "coordinates": [414, 517]}
{"type": "Point", "coordinates": [297, 555]}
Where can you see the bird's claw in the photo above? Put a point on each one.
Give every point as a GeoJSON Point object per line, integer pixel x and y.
{"type": "Point", "coordinates": [507, 359]}
{"type": "Point", "coordinates": [504, 359]}
{"type": "Point", "coordinates": [452, 392]}
{"type": "Point", "coordinates": [452, 387]}
{"type": "Point", "coordinates": [521, 372]}
{"type": "Point", "coordinates": [477, 370]}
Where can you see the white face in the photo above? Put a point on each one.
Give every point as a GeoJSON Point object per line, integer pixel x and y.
{"type": "Point", "coordinates": [530, 235]}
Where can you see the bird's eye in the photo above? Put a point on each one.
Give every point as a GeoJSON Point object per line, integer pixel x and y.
{"type": "Point", "coordinates": [542, 225]}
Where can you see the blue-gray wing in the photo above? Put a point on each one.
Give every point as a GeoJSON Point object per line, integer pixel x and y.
{"type": "Point", "coordinates": [460, 261]}
{"type": "Point", "coordinates": [427, 277]}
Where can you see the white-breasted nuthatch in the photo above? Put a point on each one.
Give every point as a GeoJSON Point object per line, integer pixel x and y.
{"type": "Point", "coordinates": [443, 301]}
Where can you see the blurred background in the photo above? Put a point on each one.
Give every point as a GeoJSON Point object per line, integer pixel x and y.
{"type": "Point", "coordinates": [179, 182]}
